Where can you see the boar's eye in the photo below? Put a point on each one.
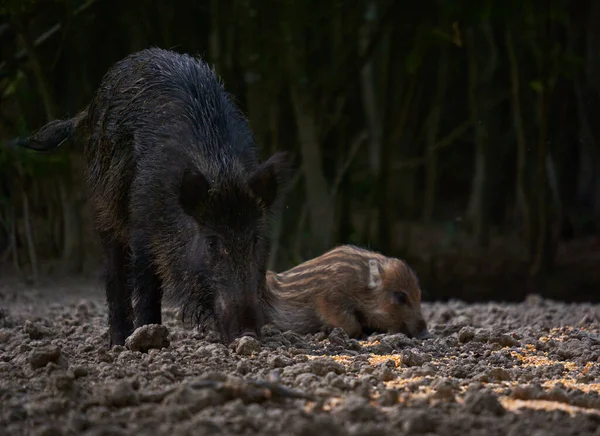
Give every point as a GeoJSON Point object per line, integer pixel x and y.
{"type": "Point", "coordinates": [213, 244]}
{"type": "Point", "coordinates": [400, 297]}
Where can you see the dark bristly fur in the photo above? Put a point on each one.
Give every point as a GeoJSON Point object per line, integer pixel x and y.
{"type": "Point", "coordinates": [358, 290]}
{"type": "Point", "coordinates": [179, 196]}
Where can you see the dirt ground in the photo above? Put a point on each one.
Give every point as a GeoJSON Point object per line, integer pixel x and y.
{"type": "Point", "coordinates": [492, 369]}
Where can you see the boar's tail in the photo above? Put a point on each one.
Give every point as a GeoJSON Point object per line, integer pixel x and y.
{"type": "Point", "coordinates": [52, 135]}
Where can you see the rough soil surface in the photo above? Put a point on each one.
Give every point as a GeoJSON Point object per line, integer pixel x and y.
{"type": "Point", "coordinates": [492, 369]}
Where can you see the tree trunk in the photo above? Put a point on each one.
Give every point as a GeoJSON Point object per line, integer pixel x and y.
{"type": "Point", "coordinates": [369, 97]}
{"type": "Point", "coordinates": [521, 194]}
{"type": "Point", "coordinates": [297, 246]}
{"type": "Point", "coordinates": [589, 166]}
{"type": "Point", "coordinates": [345, 222]}
{"type": "Point", "coordinates": [277, 227]}
{"type": "Point", "coordinates": [72, 257]}
{"type": "Point", "coordinates": [396, 116]}
{"type": "Point", "coordinates": [214, 41]}
{"type": "Point", "coordinates": [166, 12]}
{"type": "Point", "coordinates": [543, 256]}
{"type": "Point", "coordinates": [29, 237]}
{"type": "Point", "coordinates": [13, 240]}
{"type": "Point", "coordinates": [40, 77]}
{"type": "Point", "coordinates": [320, 210]}
{"type": "Point", "coordinates": [477, 211]}
{"type": "Point", "coordinates": [433, 123]}
{"type": "Point", "coordinates": [5, 244]}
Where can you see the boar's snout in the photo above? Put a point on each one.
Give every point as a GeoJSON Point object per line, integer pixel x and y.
{"type": "Point", "coordinates": [424, 335]}
{"type": "Point", "coordinates": [238, 317]}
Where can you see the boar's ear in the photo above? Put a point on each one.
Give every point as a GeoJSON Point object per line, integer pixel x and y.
{"type": "Point", "coordinates": [193, 189]}
{"type": "Point", "coordinates": [269, 178]}
{"type": "Point", "coordinates": [374, 274]}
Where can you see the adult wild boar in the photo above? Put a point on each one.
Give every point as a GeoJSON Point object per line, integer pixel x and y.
{"type": "Point", "coordinates": [180, 199]}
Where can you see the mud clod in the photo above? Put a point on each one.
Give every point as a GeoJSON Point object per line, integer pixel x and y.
{"type": "Point", "coordinates": [418, 423]}
{"type": "Point", "coordinates": [338, 337]}
{"type": "Point", "coordinates": [40, 357]}
{"type": "Point", "coordinates": [466, 334]}
{"type": "Point", "coordinates": [356, 408]}
{"type": "Point", "coordinates": [63, 381]}
{"type": "Point", "coordinates": [122, 395]}
{"type": "Point", "coordinates": [247, 345]}
{"type": "Point", "coordinates": [147, 337]}
{"type": "Point", "coordinates": [412, 358]}
{"type": "Point", "coordinates": [445, 389]}
{"type": "Point", "coordinates": [34, 331]}
{"type": "Point", "coordinates": [483, 402]}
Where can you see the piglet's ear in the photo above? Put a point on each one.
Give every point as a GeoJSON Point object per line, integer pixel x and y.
{"type": "Point", "coordinates": [374, 274]}
{"type": "Point", "coordinates": [269, 178]}
{"type": "Point", "coordinates": [193, 190]}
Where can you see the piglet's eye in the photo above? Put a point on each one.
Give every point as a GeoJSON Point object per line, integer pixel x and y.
{"type": "Point", "coordinates": [400, 297]}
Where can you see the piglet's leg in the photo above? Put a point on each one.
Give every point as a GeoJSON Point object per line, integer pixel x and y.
{"type": "Point", "coordinates": [335, 315]}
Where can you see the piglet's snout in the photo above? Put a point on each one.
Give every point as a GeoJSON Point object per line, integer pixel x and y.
{"type": "Point", "coordinates": [423, 331]}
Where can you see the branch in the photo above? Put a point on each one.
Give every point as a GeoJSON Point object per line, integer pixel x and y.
{"type": "Point", "coordinates": [43, 87]}
{"type": "Point", "coordinates": [346, 65]}
{"type": "Point", "coordinates": [22, 54]}
{"type": "Point", "coordinates": [63, 41]}
{"type": "Point", "coordinates": [493, 50]}
{"type": "Point", "coordinates": [366, 55]}
{"type": "Point", "coordinates": [325, 128]}
{"type": "Point", "coordinates": [456, 133]}
{"type": "Point", "coordinates": [358, 141]}
{"type": "Point", "coordinates": [442, 143]}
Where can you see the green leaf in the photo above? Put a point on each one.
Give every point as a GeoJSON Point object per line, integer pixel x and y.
{"type": "Point", "coordinates": [441, 35]}
{"type": "Point", "coordinates": [413, 61]}
{"type": "Point", "coordinates": [537, 86]}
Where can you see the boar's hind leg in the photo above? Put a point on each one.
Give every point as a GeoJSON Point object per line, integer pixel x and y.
{"type": "Point", "coordinates": [147, 287]}
{"type": "Point", "coordinates": [118, 292]}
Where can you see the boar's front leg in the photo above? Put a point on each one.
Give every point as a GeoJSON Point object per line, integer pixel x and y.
{"type": "Point", "coordinates": [118, 291]}
{"type": "Point", "coordinates": [146, 285]}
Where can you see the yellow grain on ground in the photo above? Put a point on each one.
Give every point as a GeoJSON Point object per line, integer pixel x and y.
{"type": "Point", "coordinates": [344, 359]}
{"type": "Point", "coordinates": [572, 384]}
{"type": "Point", "coordinates": [377, 359]}
{"type": "Point", "coordinates": [367, 345]}
{"type": "Point", "coordinates": [537, 360]}
{"type": "Point", "coordinates": [548, 406]}
{"type": "Point", "coordinates": [423, 391]}
{"type": "Point", "coordinates": [374, 359]}
{"type": "Point", "coordinates": [404, 383]}
{"type": "Point", "coordinates": [328, 405]}
{"type": "Point", "coordinates": [557, 334]}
